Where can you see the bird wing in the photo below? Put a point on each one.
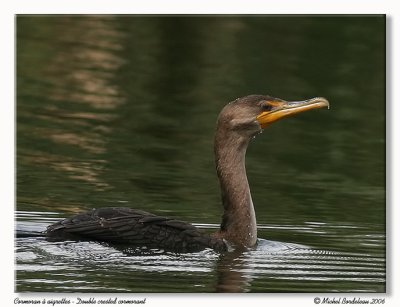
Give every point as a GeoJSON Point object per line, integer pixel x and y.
{"type": "Point", "coordinates": [137, 227]}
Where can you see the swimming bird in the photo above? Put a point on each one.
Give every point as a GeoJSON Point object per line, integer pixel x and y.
{"type": "Point", "coordinates": [237, 124]}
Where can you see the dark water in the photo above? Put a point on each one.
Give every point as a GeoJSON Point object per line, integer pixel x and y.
{"type": "Point", "coordinates": [120, 111]}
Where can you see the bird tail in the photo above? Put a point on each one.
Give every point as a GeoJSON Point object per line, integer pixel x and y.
{"type": "Point", "coordinates": [29, 234]}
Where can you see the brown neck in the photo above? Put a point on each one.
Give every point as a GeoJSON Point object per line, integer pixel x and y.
{"type": "Point", "coordinates": [239, 221]}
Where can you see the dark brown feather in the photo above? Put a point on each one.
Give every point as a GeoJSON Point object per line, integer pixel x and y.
{"type": "Point", "coordinates": [135, 227]}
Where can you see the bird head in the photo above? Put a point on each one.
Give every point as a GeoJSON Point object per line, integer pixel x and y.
{"type": "Point", "coordinates": [250, 114]}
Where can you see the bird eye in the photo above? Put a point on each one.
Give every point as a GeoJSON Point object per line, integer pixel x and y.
{"type": "Point", "coordinates": [266, 107]}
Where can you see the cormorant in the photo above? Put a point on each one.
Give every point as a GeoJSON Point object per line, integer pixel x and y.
{"type": "Point", "coordinates": [238, 123]}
